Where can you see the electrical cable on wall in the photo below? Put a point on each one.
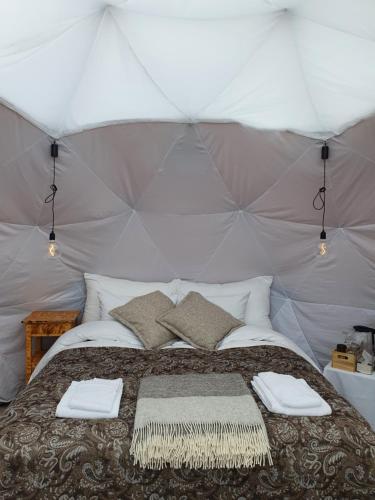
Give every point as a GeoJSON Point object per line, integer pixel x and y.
{"type": "Point", "coordinates": [319, 201]}
{"type": "Point", "coordinates": [53, 250]}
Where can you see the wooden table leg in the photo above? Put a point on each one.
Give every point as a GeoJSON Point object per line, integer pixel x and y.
{"type": "Point", "coordinates": [28, 352]}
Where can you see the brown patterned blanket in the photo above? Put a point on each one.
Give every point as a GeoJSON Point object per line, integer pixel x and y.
{"type": "Point", "coordinates": [42, 457]}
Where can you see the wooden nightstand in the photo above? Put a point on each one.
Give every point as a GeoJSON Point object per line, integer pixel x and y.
{"type": "Point", "coordinates": [40, 324]}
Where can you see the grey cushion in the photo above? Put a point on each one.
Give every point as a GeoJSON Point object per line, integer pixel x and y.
{"type": "Point", "coordinates": [140, 316]}
{"type": "Point", "coordinates": [199, 322]}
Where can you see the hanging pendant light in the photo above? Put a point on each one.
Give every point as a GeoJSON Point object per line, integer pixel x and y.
{"type": "Point", "coordinates": [321, 197]}
{"type": "Point", "coordinates": [323, 243]}
{"type": "Point", "coordinates": [53, 249]}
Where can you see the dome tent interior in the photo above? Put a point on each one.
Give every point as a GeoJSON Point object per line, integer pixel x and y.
{"type": "Point", "coordinates": [189, 141]}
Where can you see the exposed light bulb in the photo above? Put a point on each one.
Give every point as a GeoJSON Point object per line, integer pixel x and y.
{"type": "Point", "coordinates": [323, 243]}
{"type": "Point", "coordinates": [322, 248]}
{"type": "Point", "coordinates": [53, 249]}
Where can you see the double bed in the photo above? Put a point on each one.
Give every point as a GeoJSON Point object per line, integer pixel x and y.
{"type": "Point", "coordinates": [44, 457]}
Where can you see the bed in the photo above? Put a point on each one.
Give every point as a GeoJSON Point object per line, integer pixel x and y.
{"type": "Point", "coordinates": [44, 457]}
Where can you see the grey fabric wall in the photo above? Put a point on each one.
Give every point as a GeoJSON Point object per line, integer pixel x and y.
{"type": "Point", "coordinates": [207, 202]}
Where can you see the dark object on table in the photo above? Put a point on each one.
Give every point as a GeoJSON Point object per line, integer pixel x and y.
{"type": "Point", "coordinates": [341, 348]}
{"type": "Point", "coordinates": [366, 329]}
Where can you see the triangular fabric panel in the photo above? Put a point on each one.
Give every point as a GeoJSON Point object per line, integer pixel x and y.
{"type": "Point", "coordinates": [190, 178]}
{"type": "Point", "coordinates": [112, 65]}
{"type": "Point", "coordinates": [286, 322]}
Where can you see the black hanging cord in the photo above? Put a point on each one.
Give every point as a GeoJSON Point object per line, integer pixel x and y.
{"type": "Point", "coordinates": [51, 197]}
{"type": "Point", "coordinates": [319, 202]}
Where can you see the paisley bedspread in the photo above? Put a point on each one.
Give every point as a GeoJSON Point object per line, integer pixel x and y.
{"type": "Point", "coordinates": [47, 458]}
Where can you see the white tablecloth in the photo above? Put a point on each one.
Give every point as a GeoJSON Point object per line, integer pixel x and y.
{"type": "Point", "coordinates": [357, 388]}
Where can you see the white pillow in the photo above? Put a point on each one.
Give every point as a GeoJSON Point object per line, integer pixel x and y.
{"type": "Point", "coordinates": [100, 331]}
{"type": "Point", "coordinates": [107, 302]}
{"type": "Point", "coordinates": [121, 288]}
{"type": "Point", "coordinates": [258, 307]}
{"type": "Point", "coordinates": [233, 300]}
{"type": "Point", "coordinates": [248, 300]}
{"type": "Point", "coordinates": [245, 336]}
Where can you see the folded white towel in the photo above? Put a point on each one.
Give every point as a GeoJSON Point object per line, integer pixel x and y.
{"type": "Point", "coordinates": [290, 391]}
{"type": "Point", "coordinates": [64, 410]}
{"type": "Point", "coordinates": [273, 405]}
{"type": "Point", "coordinates": [93, 395]}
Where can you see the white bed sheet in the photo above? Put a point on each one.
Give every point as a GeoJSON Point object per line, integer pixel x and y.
{"type": "Point", "coordinates": [110, 334]}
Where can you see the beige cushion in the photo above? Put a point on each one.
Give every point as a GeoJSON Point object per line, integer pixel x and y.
{"type": "Point", "coordinates": [199, 322]}
{"type": "Point", "coordinates": [140, 316]}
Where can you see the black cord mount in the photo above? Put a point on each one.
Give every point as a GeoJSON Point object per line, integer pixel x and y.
{"type": "Point", "coordinates": [51, 197]}
{"type": "Point", "coordinates": [319, 201]}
